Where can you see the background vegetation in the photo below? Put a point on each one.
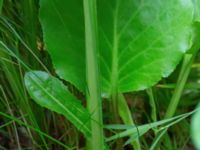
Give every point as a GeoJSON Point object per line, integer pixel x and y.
{"type": "Point", "coordinates": [26, 125]}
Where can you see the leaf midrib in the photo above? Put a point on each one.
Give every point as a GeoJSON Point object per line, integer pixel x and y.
{"type": "Point", "coordinates": [114, 73]}
{"type": "Point", "coordinates": [62, 106]}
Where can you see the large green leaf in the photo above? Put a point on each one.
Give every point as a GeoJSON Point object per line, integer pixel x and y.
{"type": "Point", "coordinates": [196, 129]}
{"type": "Point", "coordinates": [62, 22]}
{"type": "Point", "coordinates": [139, 41]}
{"type": "Point", "coordinates": [50, 93]}
{"type": "Point", "coordinates": [145, 39]}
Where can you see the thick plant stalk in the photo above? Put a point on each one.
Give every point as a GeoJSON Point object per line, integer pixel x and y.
{"type": "Point", "coordinates": [93, 92]}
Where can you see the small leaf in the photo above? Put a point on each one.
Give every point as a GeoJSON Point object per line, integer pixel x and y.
{"type": "Point", "coordinates": [196, 129]}
{"type": "Point", "coordinates": [51, 93]}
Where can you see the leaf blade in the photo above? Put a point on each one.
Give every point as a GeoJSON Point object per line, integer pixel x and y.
{"type": "Point", "coordinates": [144, 46]}
{"type": "Point", "coordinates": [140, 41]}
{"type": "Point", "coordinates": [64, 34]}
{"type": "Point", "coordinates": [50, 93]}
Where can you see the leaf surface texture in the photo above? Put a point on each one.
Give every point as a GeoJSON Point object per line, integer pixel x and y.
{"type": "Point", "coordinates": [51, 93]}
{"type": "Point", "coordinates": [140, 41]}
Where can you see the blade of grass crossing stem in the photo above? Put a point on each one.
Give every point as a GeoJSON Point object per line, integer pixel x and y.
{"type": "Point", "coordinates": [93, 93]}
{"type": "Point", "coordinates": [162, 132]}
{"type": "Point", "coordinates": [185, 69]}
{"type": "Point", "coordinates": [182, 79]}
{"type": "Point", "coordinates": [126, 116]}
{"type": "Point", "coordinates": [183, 76]}
{"type": "Point", "coordinates": [162, 124]}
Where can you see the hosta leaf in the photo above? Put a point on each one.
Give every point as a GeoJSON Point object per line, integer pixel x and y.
{"type": "Point", "coordinates": [196, 129]}
{"type": "Point", "coordinates": [50, 93]}
{"type": "Point", "coordinates": [140, 41]}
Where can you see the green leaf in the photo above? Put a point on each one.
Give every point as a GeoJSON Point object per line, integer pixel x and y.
{"type": "Point", "coordinates": [51, 93]}
{"type": "Point", "coordinates": [62, 22]}
{"type": "Point", "coordinates": [196, 129]}
{"type": "Point", "coordinates": [197, 10]}
{"type": "Point", "coordinates": [145, 40]}
{"type": "Point", "coordinates": [1, 4]}
{"type": "Point", "coordinates": [139, 41]}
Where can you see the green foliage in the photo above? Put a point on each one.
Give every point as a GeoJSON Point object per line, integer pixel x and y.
{"type": "Point", "coordinates": [197, 10]}
{"type": "Point", "coordinates": [196, 128]}
{"type": "Point", "coordinates": [63, 27]}
{"type": "Point", "coordinates": [1, 4]}
{"type": "Point", "coordinates": [51, 93]}
{"type": "Point", "coordinates": [136, 40]}
{"type": "Point", "coordinates": [135, 132]}
{"type": "Point", "coordinates": [143, 36]}
{"type": "Point", "coordinates": [99, 48]}
{"type": "Point", "coordinates": [93, 95]}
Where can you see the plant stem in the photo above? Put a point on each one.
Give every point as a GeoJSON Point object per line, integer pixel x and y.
{"type": "Point", "coordinates": [126, 116]}
{"type": "Point", "coordinates": [152, 102]}
{"type": "Point", "coordinates": [114, 74]}
{"type": "Point", "coordinates": [185, 70]}
{"type": "Point", "coordinates": [92, 72]}
{"type": "Point", "coordinates": [182, 79]}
